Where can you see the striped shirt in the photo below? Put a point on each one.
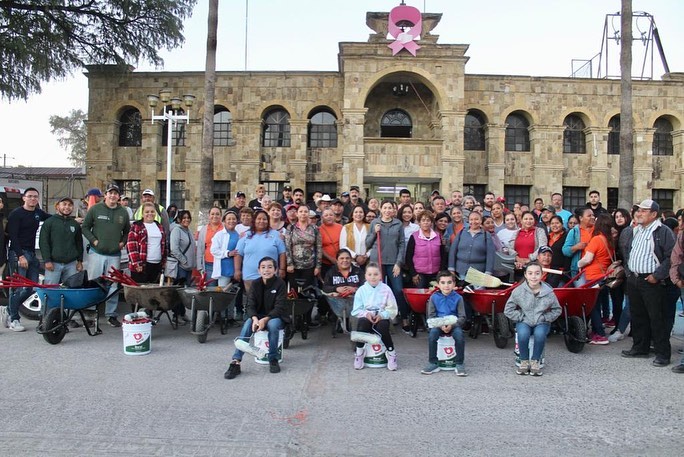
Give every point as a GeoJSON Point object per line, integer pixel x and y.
{"type": "Point", "coordinates": [642, 259]}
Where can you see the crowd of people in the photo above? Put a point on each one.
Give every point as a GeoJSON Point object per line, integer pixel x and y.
{"type": "Point", "coordinates": [374, 249]}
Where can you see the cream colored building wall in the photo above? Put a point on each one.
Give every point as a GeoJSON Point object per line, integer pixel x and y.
{"type": "Point", "coordinates": [358, 95]}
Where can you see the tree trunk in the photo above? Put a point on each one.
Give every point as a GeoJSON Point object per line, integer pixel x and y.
{"type": "Point", "coordinates": [626, 183]}
{"type": "Point", "coordinates": [207, 162]}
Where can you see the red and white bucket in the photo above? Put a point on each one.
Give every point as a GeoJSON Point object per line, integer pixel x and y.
{"type": "Point", "coordinates": [375, 356]}
{"type": "Point", "coordinates": [446, 353]}
{"type": "Point", "coordinates": [261, 341]}
{"type": "Point", "coordinates": [137, 334]}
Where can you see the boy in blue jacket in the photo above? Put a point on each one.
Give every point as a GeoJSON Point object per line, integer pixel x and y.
{"type": "Point", "coordinates": [446, 302]}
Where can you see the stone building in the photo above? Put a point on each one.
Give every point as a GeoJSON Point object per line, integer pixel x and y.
{"type": "Point", "coordinates": [385, 121]}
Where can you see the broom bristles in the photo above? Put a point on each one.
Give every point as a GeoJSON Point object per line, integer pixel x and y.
{"type": "Point", "coordinates": [248, 348]}
{"type": "Point", "coordinates": [437, 322]}
{"type": "Point", "coordinates": [365, 337]}
{"type": "Point", "coordinates": [478, 278]}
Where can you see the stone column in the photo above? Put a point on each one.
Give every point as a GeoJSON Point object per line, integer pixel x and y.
{"type": "Point", "coordinates": [297, 156]}
{"type": "Point", "coordinates": [100, 158]}
{"type": "Point", "coordinates": [150, 154]}
{"type": "Point", "coordinates": [678, 151]}
{"type": "Point", "coordinates": [353, 154]}
{"type": "Point", "coordinates": [546, 144]}
{"type": "Point", "coordinates": [597, 148]}
{"type": "Point", "coordinates": [246, 162]}
{"type": "Point", "coordinates": [643, 163]}
{"type": "Point", "coordinates": [450, 131]}
{"type": "Point", "coordinates": [495, 139]}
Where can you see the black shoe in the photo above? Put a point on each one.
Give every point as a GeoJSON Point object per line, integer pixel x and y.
{"type": "Point", "coordinates": [233, 370]}
{"type": "Point", "coordinates": [113, 321]}
{"type": "Point", "coordinates": [274, 367]}
{"type": "Point", "coordinates": [678, 368]}
{"type": "Point", "coordinates": [658, 362]}
{"type": "Point", "coordinates": [632, 354]}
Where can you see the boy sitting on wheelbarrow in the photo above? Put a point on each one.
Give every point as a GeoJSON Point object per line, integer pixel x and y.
{"type": "Point", "coordinates": [266, 308]}
{"type": "Point", "coordinates": [446, 303]}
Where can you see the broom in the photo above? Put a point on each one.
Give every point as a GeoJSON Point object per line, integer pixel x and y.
{"type": "Point", "coordinates": [477, 278]}
{"type": "Point", "coordinates": [365, 337]}
{"type": "Point", "coordinates": [437, 322]}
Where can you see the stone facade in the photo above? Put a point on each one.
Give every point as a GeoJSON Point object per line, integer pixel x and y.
{"type": "Point", "coordinates": [359, 94]}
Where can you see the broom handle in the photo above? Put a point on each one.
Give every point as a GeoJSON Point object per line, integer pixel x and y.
{"type": "Point", "coordinates": [379, 251]}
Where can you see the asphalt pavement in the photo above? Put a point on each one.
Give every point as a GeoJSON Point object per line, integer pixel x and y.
{"type": "Point", "coordinates": [85, 397]}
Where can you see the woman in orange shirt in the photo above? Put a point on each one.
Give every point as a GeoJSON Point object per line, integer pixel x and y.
{"type": "Point", "coordinates": [594, 263]}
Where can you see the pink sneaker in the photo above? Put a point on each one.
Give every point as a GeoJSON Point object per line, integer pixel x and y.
{"type": "Point", "coordinates": [392, 361]}
{"type": "Point", "coordinates": [598, 339]}
{"type": "Point", "coordinates": [358, 361]}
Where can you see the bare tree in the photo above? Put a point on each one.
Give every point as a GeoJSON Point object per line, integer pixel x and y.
{"type": "Point", "coordinates": [626, 182]}
{"type": "Point", "coordinates": [207, 161]}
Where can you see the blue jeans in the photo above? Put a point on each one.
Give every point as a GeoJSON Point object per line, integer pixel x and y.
{"type": "Point", "coordinates": [19, 295]}
{"type": "Point", "coordinates": [539, 332]}
{"type": "Point", "coordinates": [60, 272]}
{"type": "Point", "coordinates": [397, 286]}
{"type": "Point", "coordinates": [208, 269]}
{"type": "Point", "coordinates": [99, 264]}
{"type": "Point", "coordinates": [596, 323]}
{"type": "Point", "coordinates": [273, 326]}
{"type": "Point", "coordinates": [456, 334]}
{"type": "Point", "coordinates": [625, 317]}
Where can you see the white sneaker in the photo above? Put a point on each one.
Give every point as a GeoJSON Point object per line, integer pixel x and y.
{"type": "Point", "coordinates": [16, 326]}
{"type": "Point", "coordinates": [4, 316]}
{"type": "Point", "coordinates": [617, 336]}
{"type": "Point", "coordinates": [392, 361]}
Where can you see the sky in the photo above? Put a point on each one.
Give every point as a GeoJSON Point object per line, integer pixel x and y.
{"type": "Point", "coordinates": [530, 37]}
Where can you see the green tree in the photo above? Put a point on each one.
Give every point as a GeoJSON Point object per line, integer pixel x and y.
{"type": "Point", "coordinates": [71, 133]}
{"type": "Point", "coordinates": [41, 40]}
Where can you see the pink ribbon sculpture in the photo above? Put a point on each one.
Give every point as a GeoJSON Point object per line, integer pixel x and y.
{"type": "Point", "coordinates": [404, 40]}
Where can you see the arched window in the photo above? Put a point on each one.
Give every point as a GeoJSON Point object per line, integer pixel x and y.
{"type": "Point", "coordinates": [322, 130]}
{"type": "Point", "coordinates": [396, 123]}
{"type": "Point", "coordinates": [130, 128]}
{"type": "Point", "coordinates": [614, 135]}
{"type": "Point", "coordinates": [662, 138]}
{"type": "Point", "coordinates": [276, 133]}
{"type": "Point", "coordinates": [574, 139]}
{"type": "Point", "coordinates": [473, 132]}
{"type": "Point", "coordinates": [517, 133]}
{"type": "Point", "coordinates": [178, 131]}
{"type": "Point", "coordinates": [223, 126]}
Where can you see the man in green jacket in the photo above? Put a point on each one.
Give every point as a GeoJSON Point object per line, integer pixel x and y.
{"type": "Point", "coordinates": [61, 243]}
{"type": "Point", "coordinates": [106, 227]}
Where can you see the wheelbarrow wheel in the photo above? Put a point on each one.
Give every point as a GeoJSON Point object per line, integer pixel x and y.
{"type": "Point", "coordinates": [413, 324]}
{"type": "Point", "coordinates": [31, 307]}
{"type": "Point", "coordinates": [54, 321]}
{"type": "Point", "coordinates": [288, 336]}
{"type": "Point", "coordinates": [501, 330]}
{"type": "Point", "coordinates": [201, 326]}
{"type": "Point", "coordinates": [575, 335]}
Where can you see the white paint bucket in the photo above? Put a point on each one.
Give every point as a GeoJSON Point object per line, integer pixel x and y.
{"type": "Point", "coordinates": [446, 353]}
{"type": "Point", "coordinates": [375, 356]}
{"type": "Point", "coordinates": [137, 337]}
{"type": "Point", "coordinates": [261, 341]}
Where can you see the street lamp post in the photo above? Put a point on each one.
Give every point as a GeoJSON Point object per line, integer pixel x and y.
{"type": "Point", "coordinates": [172, 117]}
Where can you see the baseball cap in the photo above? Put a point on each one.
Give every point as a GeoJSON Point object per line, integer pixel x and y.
{"type": "Point", "coordinates": [649, 204]}
{"type": "Point", "coordinates": [354, 188]}
{"type": "Point", "coordinates": [148, 192]}
{"type": "Point", "coordinates": [435, 192]}
{"type": "Point", "coordinates": [94, 192]}
{"type": "Point", "coordinates": [312, 213]}
{"type": "Point", "coordinates": [65, 199]}
{"type": "Point", "coordinates": [345, 194]}
{"type": "Point", "coordinates": [336, 201]}
{"type": "Point", "coordinates": [549, 208]}
{"type": "Point", "coordinates": [291, 206]}
{"type": "Point", "coordinates": [240, 194]}
{"type": "Point", "coordinates": [288, 187]}
{"type": "Point", "coordinates": [544, 249]}
{"type": "Point", "coordinates": [501, 199]}
{"type": "Point", "coordinates": [124, 197]}
{"type": "Point", "coordinates": [115, 188]}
